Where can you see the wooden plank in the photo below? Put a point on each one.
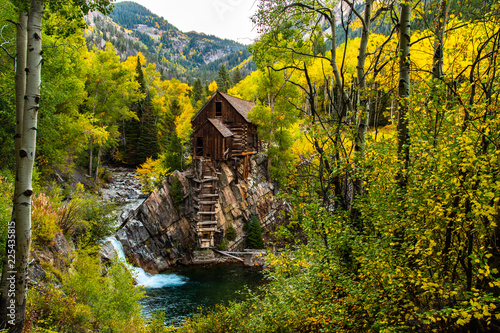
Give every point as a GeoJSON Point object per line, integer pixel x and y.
{"type": "Point", "coordinates": [229, 255]}
{"type": "Point", "coordinates": [206, 223]}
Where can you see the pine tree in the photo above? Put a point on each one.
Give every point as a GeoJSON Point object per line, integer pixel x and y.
{"type": "Point", "coordinates": [197, 92]}
{"type": "Point", "coordinates": [254, 240]}
{"type": "Point", "coordinates": [141, 134]}
{"type": "Point", "coordinates": [224, 81]}
{"type": "Point", "coordinates": [237, 76]}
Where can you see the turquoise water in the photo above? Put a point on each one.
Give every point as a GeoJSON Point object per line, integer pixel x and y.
{"type": "Point", "coordinates": [200, 286]}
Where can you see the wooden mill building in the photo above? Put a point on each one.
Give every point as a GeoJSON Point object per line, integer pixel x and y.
{"type": "Point", "coordinates": [222, 132]}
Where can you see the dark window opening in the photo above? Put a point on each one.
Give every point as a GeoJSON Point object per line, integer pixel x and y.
{"type": "Point", "coordinates": [218, 109]}
{"type": "Point", "coordinates": [199, 146]}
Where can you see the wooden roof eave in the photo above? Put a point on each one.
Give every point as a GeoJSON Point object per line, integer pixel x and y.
{"type": "Point", "coordinates": [203, 107]}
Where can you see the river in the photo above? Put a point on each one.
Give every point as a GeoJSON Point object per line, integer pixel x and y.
{"type": "Point", "coordinates": [180, 292]}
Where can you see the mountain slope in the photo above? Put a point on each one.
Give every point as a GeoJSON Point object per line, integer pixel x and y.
{"type": "Point", "coordinates": [132, 28]}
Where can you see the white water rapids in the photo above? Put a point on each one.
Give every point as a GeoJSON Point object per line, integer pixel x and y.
{"type": "Point", "coordinates": [143, 278]}
{"type": "Point", "coordinates": [125, 189]}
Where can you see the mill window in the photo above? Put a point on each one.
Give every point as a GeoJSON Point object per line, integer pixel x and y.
{"type": "Point", "coordinates": [199, 146]}
{"type": "Point", "coordinates": [218, 109]}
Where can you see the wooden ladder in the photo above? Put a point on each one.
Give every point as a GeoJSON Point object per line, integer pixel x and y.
{"type": "Point", "coordinates": [207, 219]}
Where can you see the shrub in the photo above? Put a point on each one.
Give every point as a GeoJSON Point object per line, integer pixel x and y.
{"type": "Point", "coordinates": [177, 193]}
{"type": "Point", "coordinates": [45, 214]}
{"type": "Point", "coordinates": [112, 298]}
{"type": "Point", "coordinates": [231, 233]}
{"type": "Point", "coordinates": [87, 217]}
{"type": "Point", "coordinates": [150, 174]}
{"type": "Point", "coordinates": [223, 245]}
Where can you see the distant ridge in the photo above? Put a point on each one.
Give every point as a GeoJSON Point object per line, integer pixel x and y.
{"type": "Point", "coordinates": [132, 28]}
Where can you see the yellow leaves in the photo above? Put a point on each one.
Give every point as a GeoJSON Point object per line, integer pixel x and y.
{"type": "Point", "coordinates": [151, 173]}
{"type": "Point", "coordinates": [212, 87]}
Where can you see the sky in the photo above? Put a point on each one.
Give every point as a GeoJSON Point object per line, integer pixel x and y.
{"type": "Point", "coordinates": [223, 18]}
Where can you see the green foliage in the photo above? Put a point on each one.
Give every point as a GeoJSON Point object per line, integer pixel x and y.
{"type": "Point", "coordinates": [418, 258]}
{"type": "Point", "coordinates": [231, 233]}
{"type": "Point", "coordinates": [89, 299]}
{"type": "Point", "coordinates": [151, 174]}
{"type": "Point", "coordinates": [197, 94]}
{"type": "Point", "coordinates": [254, 240]}
{"type": "Point", "coordinates": [237, 77]}
{"type": "Point", "coordinates": [157, 324]}
{"type": "Point", "coordinates": [86, 217]}
{"type": "Point", "coordinates": [224, 81]}
{"type": "Point", "coordinates": [45, 214]}
{"type": "Point", "coordinates": [274, 114]}
{"type": "Point", "coordinates": [6, 195]}
{"type": "Point", "coordinates": [176, 192]}
{"type": "Point", "coordinates": [223, 245]}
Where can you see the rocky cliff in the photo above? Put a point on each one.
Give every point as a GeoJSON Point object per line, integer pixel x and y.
{"type": "Point", "coordinates": [161, 234]}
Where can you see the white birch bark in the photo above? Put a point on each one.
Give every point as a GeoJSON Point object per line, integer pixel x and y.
{"type": "Point", "coordinates": [20, 88]}
{"type": "Point", "coordinates": [27, 157]}
{"type": "Point", "coordinates": [404, 90]}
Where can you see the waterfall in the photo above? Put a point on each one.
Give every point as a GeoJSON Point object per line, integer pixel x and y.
{"type": "Point", "coordinates": [143, 278]}
{"type": "Point", "coordinates": [124, 189]}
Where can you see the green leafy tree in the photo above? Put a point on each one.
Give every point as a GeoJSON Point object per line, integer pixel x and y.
{"type": "Point", "coordinates": [29, 56]}
{"type": "Point", "coordinates": [111, 88]}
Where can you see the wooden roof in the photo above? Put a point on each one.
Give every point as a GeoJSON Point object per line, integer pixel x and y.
{"type": "Point", "coordinates": [241, 105]}
{"type": "Point", "coordinates": [221, 127]}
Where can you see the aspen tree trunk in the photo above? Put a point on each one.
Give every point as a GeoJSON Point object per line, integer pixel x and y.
{"type": "Point", "coordinates": [404, 92]}
{"type": "Point", "coordinates": [96, 175]}
{"type": "Point", "coordinates": [20, 88]}
{"type": "Point", "coordinates": [363, 112]}
{"type": "Point", "coordinates": [27, 153]}
{"type": "Point", "coordinates": [90, 156]}
{"type": "Point", "coordinates": [437, 60]}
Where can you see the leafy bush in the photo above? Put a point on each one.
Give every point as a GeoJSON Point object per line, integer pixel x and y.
{"type": "Point", "coordinates": [150, 174]}
{"type": "Point", "coordinates": [231, 233]}
{"type": "Point", "coordinates": [223, 245]}
{"type": "Point", "coordinates": [45, 215]}
{"type": "Point", "coordinates": [177, 193]}
{"type": "Point", "coordinates": [113, 299]}
{"type": "Point", "coordinates": [89, 300]}
{"type": "Point", "coordinates": [87, 217]}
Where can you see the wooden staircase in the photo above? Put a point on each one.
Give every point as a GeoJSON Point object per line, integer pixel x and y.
{"type": "Point", "coordinates": [207, 220]}
{"type": "Point", "coordinates": [239, 139]}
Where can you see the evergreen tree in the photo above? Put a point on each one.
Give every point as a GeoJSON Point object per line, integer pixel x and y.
{"type": "Point", "coordinates": [140, 75]}
{"type": "Point", "coordinates": [197, 91]}
{"type": "Point", "coordinates": [254, 240]}
{"type": "Point", "coordinates": [237, 76]}
{"type": "Point", "coordinates": [147, 143]}
{"type": "Point", "coordinates": [174, 154]}
{"type": "Point", "coordinates": [141, 134]}
{"type": "Point", "coordinates": [224, 81]}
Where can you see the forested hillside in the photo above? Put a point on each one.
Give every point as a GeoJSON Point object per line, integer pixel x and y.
{"type": "Point", "coordinates": [131, 28]}
{"type": "Point", "coordinates": [381, 127]}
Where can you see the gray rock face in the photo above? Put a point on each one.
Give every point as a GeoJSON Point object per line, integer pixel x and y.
{"type": "Point", "coordinates": [157, 236]}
